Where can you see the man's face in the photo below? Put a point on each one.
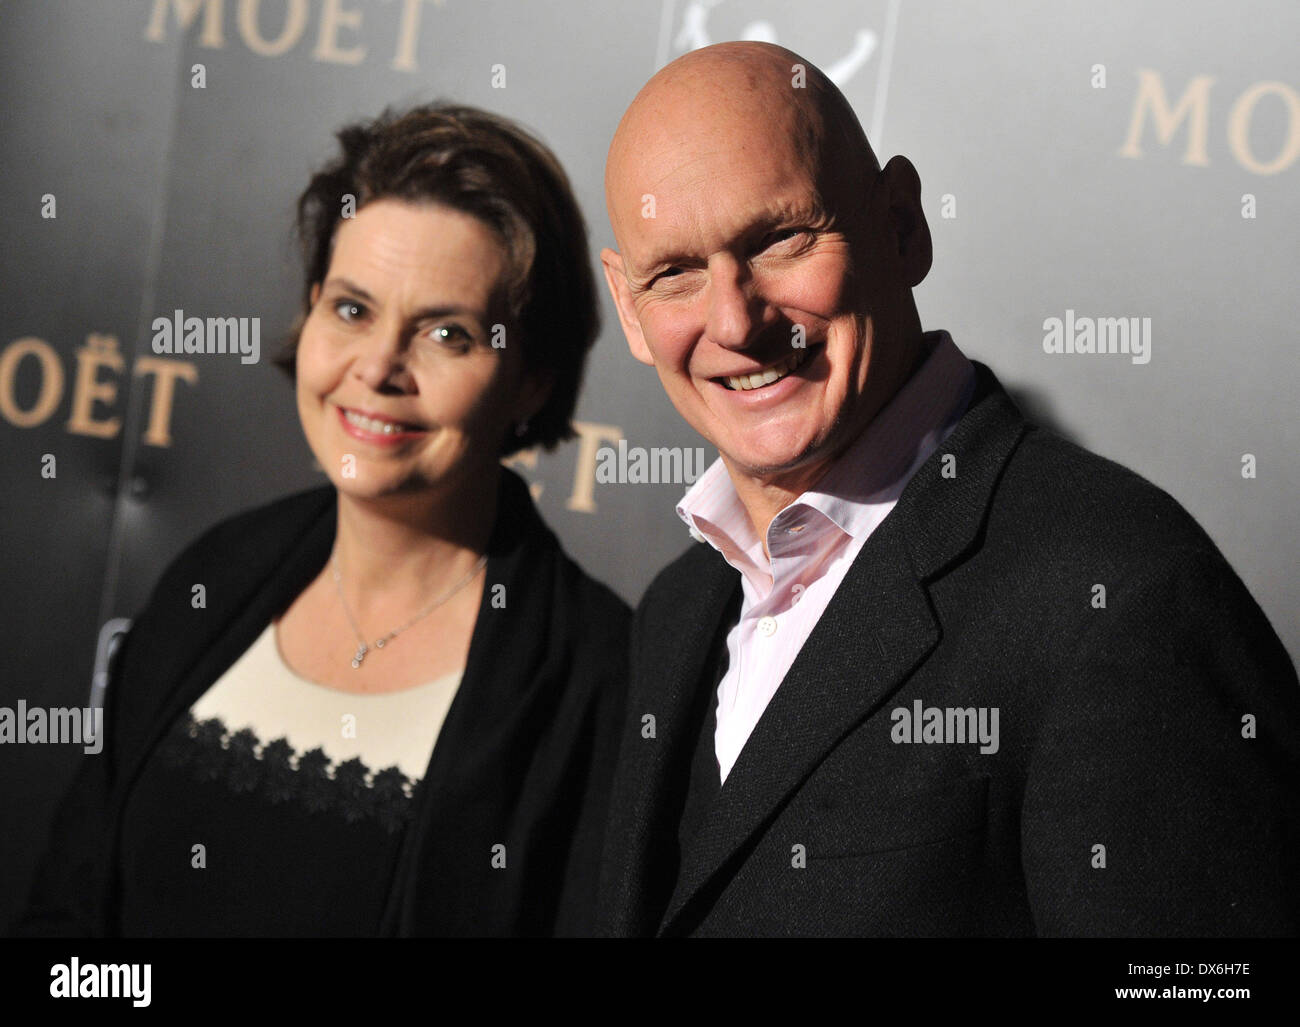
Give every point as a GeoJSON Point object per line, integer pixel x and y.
{"type": "Point", "coordinates": [745, 270]}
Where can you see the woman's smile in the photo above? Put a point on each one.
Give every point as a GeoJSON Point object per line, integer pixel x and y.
{"type": "Point", "coordinates": [376, 429]}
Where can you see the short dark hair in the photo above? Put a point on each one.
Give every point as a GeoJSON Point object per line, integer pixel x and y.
{"type": "Point", "coordinates": [491, 168]}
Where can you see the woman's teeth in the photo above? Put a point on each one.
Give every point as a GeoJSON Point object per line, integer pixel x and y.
{"type": "Point", "coordinates": [745, 382]}
{"type": "Point", "coordinates": [378, 427]}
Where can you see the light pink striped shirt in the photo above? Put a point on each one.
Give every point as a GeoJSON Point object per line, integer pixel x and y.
{"type": "Point", "coordinates": [815, 539]}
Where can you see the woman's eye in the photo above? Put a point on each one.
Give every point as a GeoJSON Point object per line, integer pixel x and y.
{"type": "Point", "coordinates": [349, 310]}
{"type": "Point", "coordinates": [452, 335]}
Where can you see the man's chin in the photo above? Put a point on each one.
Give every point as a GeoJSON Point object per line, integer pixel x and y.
{"type": "Point", "coordinates": [771, 466]}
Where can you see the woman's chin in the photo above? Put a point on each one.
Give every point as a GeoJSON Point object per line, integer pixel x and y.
{"type": "Point", "coordinates": [375, 487]}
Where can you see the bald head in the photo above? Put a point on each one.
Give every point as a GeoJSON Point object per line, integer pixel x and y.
{"type": "Point", "coordinates": [765, 260]}
{"type": "Point", "coordinates": [755, 95]}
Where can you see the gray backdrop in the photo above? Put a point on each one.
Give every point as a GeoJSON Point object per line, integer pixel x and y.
{"type": "Point", "coordinates": [1043, 197]}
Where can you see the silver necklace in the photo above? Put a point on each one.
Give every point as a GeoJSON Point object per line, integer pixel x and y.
{"type": "Point", "coordinates": [379, 643]}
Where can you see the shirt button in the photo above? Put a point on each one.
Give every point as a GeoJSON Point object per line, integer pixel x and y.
{"type": "Point", "coordinates": [767, 627]}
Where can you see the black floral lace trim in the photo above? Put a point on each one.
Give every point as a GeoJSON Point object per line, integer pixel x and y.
{"type": "Point", "coordinates": [278, 774]}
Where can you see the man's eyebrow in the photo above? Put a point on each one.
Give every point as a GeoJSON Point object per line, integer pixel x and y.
{"type": "Point", "coordinates": [437, 310]}
{"type": "Point", "coordinates": [811, 214]}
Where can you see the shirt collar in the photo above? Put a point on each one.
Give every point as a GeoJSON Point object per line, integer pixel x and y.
{"type": "Point", "coordinates": [873, 470]}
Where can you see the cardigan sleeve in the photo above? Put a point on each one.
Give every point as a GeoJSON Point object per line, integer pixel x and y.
{"type": "Point", "coordinates": [65, 898]}
{"type": "Point", "coordinates": [68, 897]}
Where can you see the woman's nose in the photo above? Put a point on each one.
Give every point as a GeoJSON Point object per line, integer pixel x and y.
{"type": "Point", "coordinates": [383, 361]}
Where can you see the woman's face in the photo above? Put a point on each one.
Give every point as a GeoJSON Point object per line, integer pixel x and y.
{"type": "Point", "coordinates": [400, 386]}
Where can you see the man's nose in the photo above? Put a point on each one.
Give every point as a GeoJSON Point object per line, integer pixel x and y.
{"type": "Point", "coordinates": [734, 306]}
{"type": "Point", "coordinates": [383, 361]}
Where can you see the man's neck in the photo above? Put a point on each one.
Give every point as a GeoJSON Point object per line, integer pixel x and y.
{"type": "Point", "coordinates": [763, 498]}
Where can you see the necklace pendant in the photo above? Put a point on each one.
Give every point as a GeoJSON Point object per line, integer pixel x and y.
{"type": "Point", "coordinates": [379, 643]}
{"type": "Point", "coordinates": [361, 655]}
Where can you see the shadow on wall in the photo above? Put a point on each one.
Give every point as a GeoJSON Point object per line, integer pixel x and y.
{"type": "Point", "coordinates": [1037, 408]}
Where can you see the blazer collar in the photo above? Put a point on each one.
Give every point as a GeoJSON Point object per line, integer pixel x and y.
{"type": "Point", "coordinates": [877, 627]}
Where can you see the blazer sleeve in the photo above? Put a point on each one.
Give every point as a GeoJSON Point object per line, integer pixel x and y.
{"type": "Point", "coordinates": [1163, 795]}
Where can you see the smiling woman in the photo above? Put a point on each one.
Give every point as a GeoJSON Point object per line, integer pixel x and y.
{"type": "Point", "coordinates": [395, 710]}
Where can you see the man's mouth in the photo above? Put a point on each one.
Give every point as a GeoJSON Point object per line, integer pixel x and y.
{"type": "Point", "coordinates": [766, 376]}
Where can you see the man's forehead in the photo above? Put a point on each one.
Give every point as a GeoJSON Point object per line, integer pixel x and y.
{"type": "Point", "coordinates": [686, 179]}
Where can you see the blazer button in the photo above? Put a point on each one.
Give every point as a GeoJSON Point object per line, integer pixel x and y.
{"type": "Point", "coordinates": [767, 627]}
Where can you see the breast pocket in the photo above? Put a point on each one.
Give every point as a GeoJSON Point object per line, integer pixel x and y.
{"type": "Point", "coordinates": [908, 865]}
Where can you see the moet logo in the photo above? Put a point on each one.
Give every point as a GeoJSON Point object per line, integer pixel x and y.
{"type": "Point", "coordinates": [270, 28]}
{"type": "Point", "coordinates": [1192, 112]}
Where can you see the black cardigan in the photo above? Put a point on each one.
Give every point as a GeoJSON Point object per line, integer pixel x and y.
{"type": "Point", "coordinates": [524, 757]}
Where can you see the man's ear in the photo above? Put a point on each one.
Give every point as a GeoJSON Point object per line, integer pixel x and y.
{"type": "Point", "coordinates": [616, 279]}
{"type": "Point", "coordinates": [907, 232]}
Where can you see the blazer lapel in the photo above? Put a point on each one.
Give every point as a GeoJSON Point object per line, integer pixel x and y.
{"type": "Point", "coordinates": [640, 857]}
{"type": "Point", "coordinates": [878, 626]}
{"type": "Point", "coordinates": [875, 629]}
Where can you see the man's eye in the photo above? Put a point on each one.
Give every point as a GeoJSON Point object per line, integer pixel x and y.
{"type": "Point", "coordinates": [667, 273]}
{"type": "Point", "coordinates": [784, 235]}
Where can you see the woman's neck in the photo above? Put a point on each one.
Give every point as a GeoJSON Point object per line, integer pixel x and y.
{"type": "Point", "coordinates": [400, 549]}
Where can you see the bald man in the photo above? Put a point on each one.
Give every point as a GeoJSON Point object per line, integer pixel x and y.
{"type": "Point", "coordinates": [928, 669]}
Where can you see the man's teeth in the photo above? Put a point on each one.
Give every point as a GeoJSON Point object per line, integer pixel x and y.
{"type": "Point", "coordinates": [745, 382]}
{"type": "Point", "coordinates": [378, 427]}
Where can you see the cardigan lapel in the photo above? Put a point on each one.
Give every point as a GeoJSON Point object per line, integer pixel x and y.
{"type": "Point", "coordinates": [878, 626]}
{"type": "Point", "coordinates": [640, 860]}
{"type": "Point", "coordinates": [275, 565]}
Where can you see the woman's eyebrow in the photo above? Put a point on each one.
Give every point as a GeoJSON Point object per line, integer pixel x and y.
{"type": "Point", "coordinates": [347, 285]}
{"type": "Point", "coordinates": [435, 310]}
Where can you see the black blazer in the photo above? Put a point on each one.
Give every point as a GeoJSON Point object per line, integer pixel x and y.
{"type": "Point", "coordinates": [1120, 727]}
{"type": "Point", "coordinates": [524, 757]}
